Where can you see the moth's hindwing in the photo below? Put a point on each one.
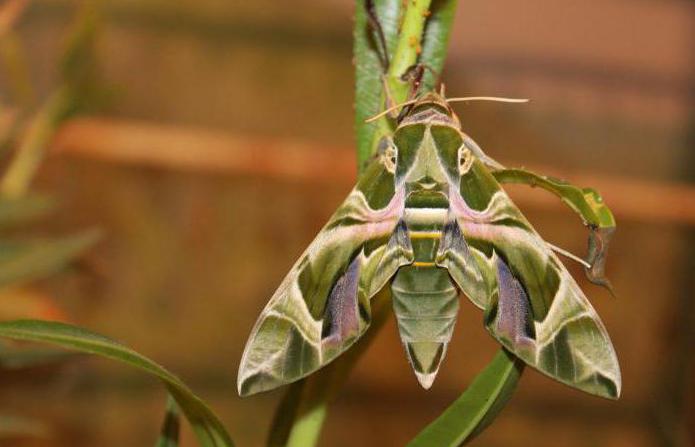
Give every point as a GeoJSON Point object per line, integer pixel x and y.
{"type": "Point", "coordinates": [322, 306]}
{"type": "Point", "coordinates": [532, 305]}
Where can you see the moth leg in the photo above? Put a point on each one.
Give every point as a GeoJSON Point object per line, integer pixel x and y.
{"type": "Point", "coordinates": [587, 203]}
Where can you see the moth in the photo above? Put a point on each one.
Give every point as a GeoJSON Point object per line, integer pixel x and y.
{"type": "Point", "coordinates": [429, 220]}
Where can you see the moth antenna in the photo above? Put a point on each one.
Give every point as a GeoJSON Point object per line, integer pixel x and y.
{"type": "Point", "coordinates": [488, 98]}
{"type": "Point", "coordinates": [441, 90]}
{"type": "Point", "coordinates": [389, 110]}
{"type": "Point", "coordinates": [569, 255]}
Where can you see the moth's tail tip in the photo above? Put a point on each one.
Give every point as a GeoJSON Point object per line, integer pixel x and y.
{"type": "Point", "coordinates": [426, 379]}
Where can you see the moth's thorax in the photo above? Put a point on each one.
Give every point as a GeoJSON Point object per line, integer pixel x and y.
{"type": "Point", "coordinates": [426, 164]}
{"type": "Point", "coordinates": [425, 215]}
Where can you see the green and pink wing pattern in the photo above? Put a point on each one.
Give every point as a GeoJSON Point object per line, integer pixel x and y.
{"type": "Point", "coordinates": [323, 305]}
{"type": "Point", "coordinates": [531, 304]}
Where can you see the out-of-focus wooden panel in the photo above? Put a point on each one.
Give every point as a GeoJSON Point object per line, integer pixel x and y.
{"type": "Point", "coordinates": [170, 147]}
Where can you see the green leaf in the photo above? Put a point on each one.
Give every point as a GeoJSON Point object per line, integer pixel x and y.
{"type": "Point", "coordinates": [408, 48]}
{"type": "Point", "coordinates": [436, 40]}
{"type": "Point", "coordinates": [169, 435]}
{"type": "Point", "coordinates": [587, 203]}
{"type": "Point", "coordinates": [24, 209]}
{"type": "Point", "coordinates": [477, 407]}
{"type": "Point", "coordinates": [207, 427]}
{"type": "Point", "coordinates": [406, 32]}
{"type": "Point", "coordinates": [30, 260]}
{"type": "Point", "coordinates": [369, 71]}
{"type": "Point", "coordinates": [285, 415]}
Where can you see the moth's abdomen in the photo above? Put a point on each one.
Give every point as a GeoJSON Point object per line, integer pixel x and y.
{"type": "Point", "coordinates": [426, 305]}
{"type": "Point", "coordinates": [425, 299]}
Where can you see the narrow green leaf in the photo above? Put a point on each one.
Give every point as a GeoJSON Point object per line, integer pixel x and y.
{"type": "Point", "coordinates": [30, 260]}
{"type": "Point", "coordinates": [24, 209]}
{"type": "Point", "coordinates": [311, 415]}
{"type": "Point", "coordinates": [416, 33]}
{"type": "Point", "coordinates": [207, 427]}
{"type": "Point", "coordinates": [477, 407]}
{"type": "Point", "coordinates": [285, 415]}
{"type": "Point", "coordinates": [369, 70]}
{"type": "Point", "coordinates": [27, 158]}
{"type": "Point", "coordinates": [587, 203]}
{"type": "Point", "coordinates": [169, 435]}
{"type": "Point", "coordinates": [79, 91]}
{"type": "Point", "coordinates": [436, 40]}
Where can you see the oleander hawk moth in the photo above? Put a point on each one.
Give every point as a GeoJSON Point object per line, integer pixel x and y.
{"type": "Point", "coordinates": [429, 220]}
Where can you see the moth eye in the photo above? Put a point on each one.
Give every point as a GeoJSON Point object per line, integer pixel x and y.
{"type": "Point", "coordinates": [463, 156]}
{"type": "Point", "coordinates": [390, 159]}
{"type": "Point", "coordinates": [465, 160]}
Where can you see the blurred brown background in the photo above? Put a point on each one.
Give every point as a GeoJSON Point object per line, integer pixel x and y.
{"type": "Point", "coordinates": [226, 142]}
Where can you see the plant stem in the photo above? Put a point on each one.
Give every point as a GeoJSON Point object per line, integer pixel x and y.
{"type": "Point", "coordinates": [408, 48]}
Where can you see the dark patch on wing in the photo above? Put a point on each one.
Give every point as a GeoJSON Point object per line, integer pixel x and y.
{"type": "Point", "coordinates": [514, 320]}
{"type": "Point", "coordinates": [452, 239]}
{"type": "Point", "coordinates": [401, 237]}
{"type": "Point", "coordinates": [539, 280]}
{"type": "Point", "coordinates": [341, 320]}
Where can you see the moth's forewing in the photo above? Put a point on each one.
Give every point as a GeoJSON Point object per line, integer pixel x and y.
{"type": "Point", "coordinates": [322, 305]}
{"type": "Point", "coordinates": [532, 305]}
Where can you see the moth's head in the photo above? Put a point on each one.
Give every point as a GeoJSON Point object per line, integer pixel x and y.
{"type": "Point", "coordinates": [433, 99]}
{"type": "Point", "coordinates": [430, 107]}
{"type": "Point", "coordinates": [427, 151]}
